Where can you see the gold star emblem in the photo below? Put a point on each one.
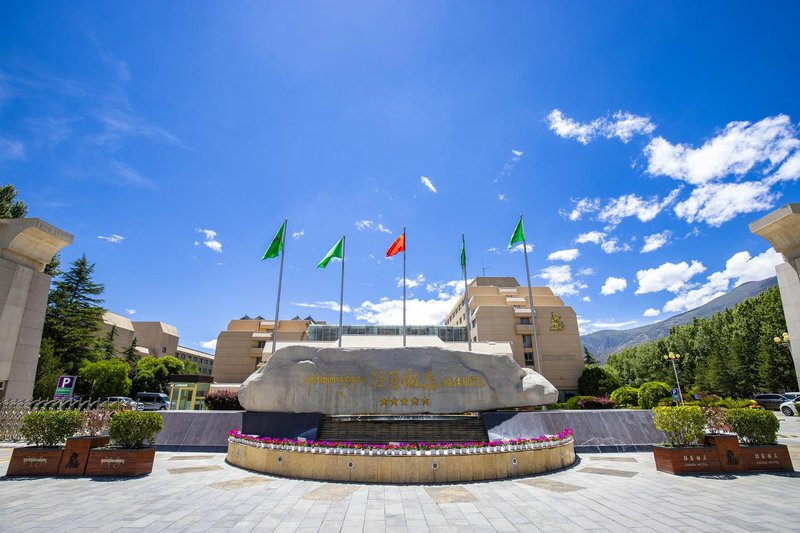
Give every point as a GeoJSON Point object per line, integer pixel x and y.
{"type": "Point", "coordinates": [425, 400]}
{"type": "Point", "coordinates": [404, 401]}
{"type": "Point", "coordinates": [414, 400]}
{"type": "Point", "coordinates": [384, 401]}
{"type": "Point", "coordinates": [394, 401]}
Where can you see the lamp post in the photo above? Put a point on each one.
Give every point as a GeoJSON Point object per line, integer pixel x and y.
{"type": "Point", "coordinates": [782, 340]}
{"type": "Point", "coordinates": [675, 357]}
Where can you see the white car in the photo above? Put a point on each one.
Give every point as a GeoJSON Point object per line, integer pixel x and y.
{"type": "Point", "coordinates": [790, 408]}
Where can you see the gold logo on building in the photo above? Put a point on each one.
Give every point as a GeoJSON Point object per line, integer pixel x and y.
{"type": "Point", "coordinates": [556, 324]}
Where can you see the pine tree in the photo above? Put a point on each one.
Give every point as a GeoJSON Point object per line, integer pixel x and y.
{"type": "Point", "coordinates": [130, 355]}
{"type": "Point", "coordinates": [588, 357]}
{"type": "Point", "coordinates": [10, 207]}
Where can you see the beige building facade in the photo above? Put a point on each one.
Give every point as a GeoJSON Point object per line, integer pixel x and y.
{"type": "Point", "coordinates": [205, 361]}
{"type": "Point", "coordinates": [152, 338]}
{"type": "Point", "coordinates": [500, 312]}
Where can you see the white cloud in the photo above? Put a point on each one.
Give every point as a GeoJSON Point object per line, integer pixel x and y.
{"type": "Point", "coordinates": [413, 282]}
{"type": "Point", "coordinates": [209, 345]}
{"type": "Point", "coordinates": [561, 281]}
{"type": "Point", "coordinates": [582, 206]}
{"type": "Point", "coordinates": [594, 237]}
{"type": "Point", "coordinates": [651, 312]}
{"type": "Point", "coordinates": [501, 197]}
{"type": "Point", "coordinates": [517, 153]}
{"type": "Point", "coordinates": [298, 234]}
{"type": "Point", "coordinates": [114, 238]}
{"type": "Point", "coordinates": [612, 246]}
{"type": "Point", "coordinates": [518, 248]}
{"type": "Point", "coordinates": [11, 149]}
{"type": "Point", "coordinates": [326, 304]}
{"type": "Point", "coordinates": [614, 325]}
{"type": "Point", "coordinates": [209, 240]}
{"type": "Point", "coordinates": [362, 225]}
{"type": "Point", "coordinates": [127, 175]}
{"type": "Point", "coordinates": [383, 229]}
{"type": "Point", "coordinates": [493, 250]}
{"type": "Point", "coordinates": [716, 203]}
{"type": "Point", "coordinates": [564, 255]}
{"type": "Point", "coordinates": [668, 276]}
{"type": "Point", "coordinates": [585, 271]}
{"type": "Point", "coordinates": [621, 125]}
{"type": "Point", "coordinates": [419, 312]}
{"type": "Point", "coordinates": [131, 311]}
{"type": "Point", "coordinates": [586, 299]}
{"type": "Point", "coordinates": [631, 205]}
{"type": "Point", "coordinates": [613, 285]}
{"type": "Point", "coordinates": [736, 150]}
{"type": "Point", "coordinates": [789, 170]}
{"type": "Point", "coordinates": [655, 241]}
{"type": "Point", "coordinates": [428, 183]}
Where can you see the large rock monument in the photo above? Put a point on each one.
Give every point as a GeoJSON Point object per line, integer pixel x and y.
{"type": "Point", "coordinates": [391, 381]}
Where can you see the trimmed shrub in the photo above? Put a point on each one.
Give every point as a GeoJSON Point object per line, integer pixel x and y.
{"type": "Point", "coordinates": [597, 381]}
{"type": "Point", "coordinates": [653, 391]}
{"type": "Point", "coordinates": [733, 403]}
{"type": "Point", "coordinates": [223, 401]}
{"type": "Point", "coordinates": [50, 428]}
{"type": "Point", "coordinates": [625, 396]}
{"type": "Point", "coordinates": [754, 426]}
{"type": "Point", "coordinates": [574, 402]}
{"type": "Point", "coordinates": [135, 429]}
{"type": "Point", "coordinates": [684, 426]}
{"type": "Point", "coordinates": [597, 402]}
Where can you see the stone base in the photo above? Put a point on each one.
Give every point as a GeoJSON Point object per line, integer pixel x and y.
{"type": "Point", "coordinates": [32, 461]}
{"type": "Point", "coordinates": [398, 469]}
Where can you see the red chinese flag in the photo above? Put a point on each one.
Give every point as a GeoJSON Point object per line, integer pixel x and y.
{"type": "Point", "coordinates": [399, 245]}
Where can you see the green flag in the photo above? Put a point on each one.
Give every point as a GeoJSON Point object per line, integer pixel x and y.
{"type": "Point", "coordinates": [463, 255]}
{"type": "Point", "coordinates": [275, 248]}
{"type": "Point", "coordinates": [518, 236]}
{"type": "Point", "coordinates": [336, 251]}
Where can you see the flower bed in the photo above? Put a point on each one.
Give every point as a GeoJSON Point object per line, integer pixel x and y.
{"type": "Point", "coordinates": [401, 448]}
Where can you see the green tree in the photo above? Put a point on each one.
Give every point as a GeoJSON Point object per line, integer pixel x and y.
{"type": "Point", "coordinates": [108, 377]}
{"type": "Point", "coordinates": [130, 355]}
{"type": "Point", "coordinates": [152, 373]}
{"type": "Point", "coordinates": [191, 368]}
{"type": "Point", "coordinates": [597, 381]}
{"type": "Point", "coordinates": [47, 371]}
{"type": "Point", "coordinates": [10, 207]}
{"type": "Point", "coordinates": [588, 357]}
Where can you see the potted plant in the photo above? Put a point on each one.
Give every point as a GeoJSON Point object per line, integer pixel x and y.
{"type": "Point", "coordinates": [45, 431]}
{"type": "Point", "coordinates": [133, 433]}
{"type": "Point", "coordinates": [93, 433]}
{"type": "Point", "coordinates": [684, 428]}
{"type": "Point", "coordinates": [757, 432]}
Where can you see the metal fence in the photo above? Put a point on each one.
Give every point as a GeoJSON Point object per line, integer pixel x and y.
{"type": "Point", "coordinates": [12, 412]}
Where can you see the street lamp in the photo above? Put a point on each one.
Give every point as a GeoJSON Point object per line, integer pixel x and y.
{"type": "Point", "coordinates": [783, 340]}
{"type": "Point", "coordinates": [675, 357]}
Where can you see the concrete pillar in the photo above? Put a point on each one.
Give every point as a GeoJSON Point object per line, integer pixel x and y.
{"type": "Point", "coordinates": [26, 246]}
{"type": "Point", "coordinates": [782, 229]}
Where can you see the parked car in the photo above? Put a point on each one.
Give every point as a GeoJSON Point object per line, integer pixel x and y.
{"type": "Point", "coordinates": [124, 401]}
{"type": "Point", "coordinates": [770, 401]}
{"type": "Point", "coordinates": [790, 408]}
{"type": "Point", "coordinates": [153, 401]}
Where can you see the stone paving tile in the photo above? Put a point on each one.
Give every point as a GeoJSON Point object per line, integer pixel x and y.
{"type": "Point", "coordinates": [193, 469]}
{"type": "Point", "coordinates": [607, 471]}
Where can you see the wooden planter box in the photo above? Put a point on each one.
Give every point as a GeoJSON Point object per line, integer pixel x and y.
{"type": "Point", "coordinates": [722, 453]}
{"type": "Point", "coordinates": [120, 462]}
{"type": "Point", "coordinates": [33, 461]}
{"type": "Point", "coordinates": [76, 454]}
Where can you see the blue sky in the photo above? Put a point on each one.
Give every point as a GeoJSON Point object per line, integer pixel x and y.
{"type": "Point", "coordinates": [639, 140]}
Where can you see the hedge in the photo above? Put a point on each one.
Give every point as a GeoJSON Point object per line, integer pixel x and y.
{"type": "Point", "coordinates": [50, 428]}
{"type": "Point", "coordinates": [653, 391]}
{"type": "Point", "coordinates": [628, 396]}
{"type": "Point", "coordinates": [135, 429]}
{"type": "Point", "coordinates": [684, 426]}
{"type": "Point", "coordinates": [754, 426]}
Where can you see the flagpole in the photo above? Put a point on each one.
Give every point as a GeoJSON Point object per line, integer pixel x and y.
{"type": "Point", "coordinates": [341, 295]}
{"type": "Point", "coordinates": [530, 300]}
{"type": "Point", "coordinates": [466, 295]}
{"type": "Point", "coordinates": [280, 280]}
{"type": "Point", "coordinates": [405, 245]}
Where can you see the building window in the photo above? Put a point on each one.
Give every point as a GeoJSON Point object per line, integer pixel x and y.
{"type": "Point", "coordinates": [526, 341]}
{"type": "Point", "coordinates": [163, 349]}
{"type": "Point", "coordinates": [525, 320]}
{"type": "Point", "coordinates": [261, 344]}
{"type": "Point", "coordinates": [528, 358]}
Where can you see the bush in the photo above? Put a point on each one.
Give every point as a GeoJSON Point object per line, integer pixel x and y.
{"type": "Point", "coordinates": [597, 402]}
{"type": "Point", "coordinates": [653, 391]}
{"type": "Point", "coordinates": [135, 429]}
{"type": "Point", "coordinates": [597, 381]}
{"type": "Point", "coordinates": [731, 403]}
{"type": "Point", "coordinates": [683, 426]}
{"type": "Point", "coordinates": [626, 396]}
{"type": "Point", "coordinates": [223, 401]}
{"type": "Point", "coordinates": [574, 402]}
{"type": "Point", "coordinates": [754, 426]}
{"type": "Point", "coordinates": [50, 428]}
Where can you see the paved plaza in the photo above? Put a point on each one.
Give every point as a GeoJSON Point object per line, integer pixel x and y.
{"type": "Point", "coordinates": [602, 492]}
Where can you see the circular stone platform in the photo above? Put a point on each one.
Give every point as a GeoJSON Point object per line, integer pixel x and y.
{"type": "Point", "coordinates": [396, 466]}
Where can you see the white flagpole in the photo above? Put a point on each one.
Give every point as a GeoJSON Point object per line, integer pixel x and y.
{"type": "Point", "coordinates": [404, 286]}
{"type": "Point", "coordinates": [280, 280]}
{"type": "Point", "coordinates": [341, 294]}
{"type": "Point", "coordinates": [466, 295]}
{"type": "Point", "coordinates": [530, 299]}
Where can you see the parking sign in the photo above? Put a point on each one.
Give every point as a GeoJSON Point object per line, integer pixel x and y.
{"type": "Point", "coordinates": [65, 387]}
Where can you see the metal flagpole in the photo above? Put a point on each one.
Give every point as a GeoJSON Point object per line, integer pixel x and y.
{"type": "Point", "coordinates": [530, 300]}
{"type": "Point", "coordinates": [341, 295]}
{"type": "Point", "coordinates": [466, 295]}
{"type": "Point", "coordinates": [404, 286]}
{"type": "Point", "coordinates": [280, 279]}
